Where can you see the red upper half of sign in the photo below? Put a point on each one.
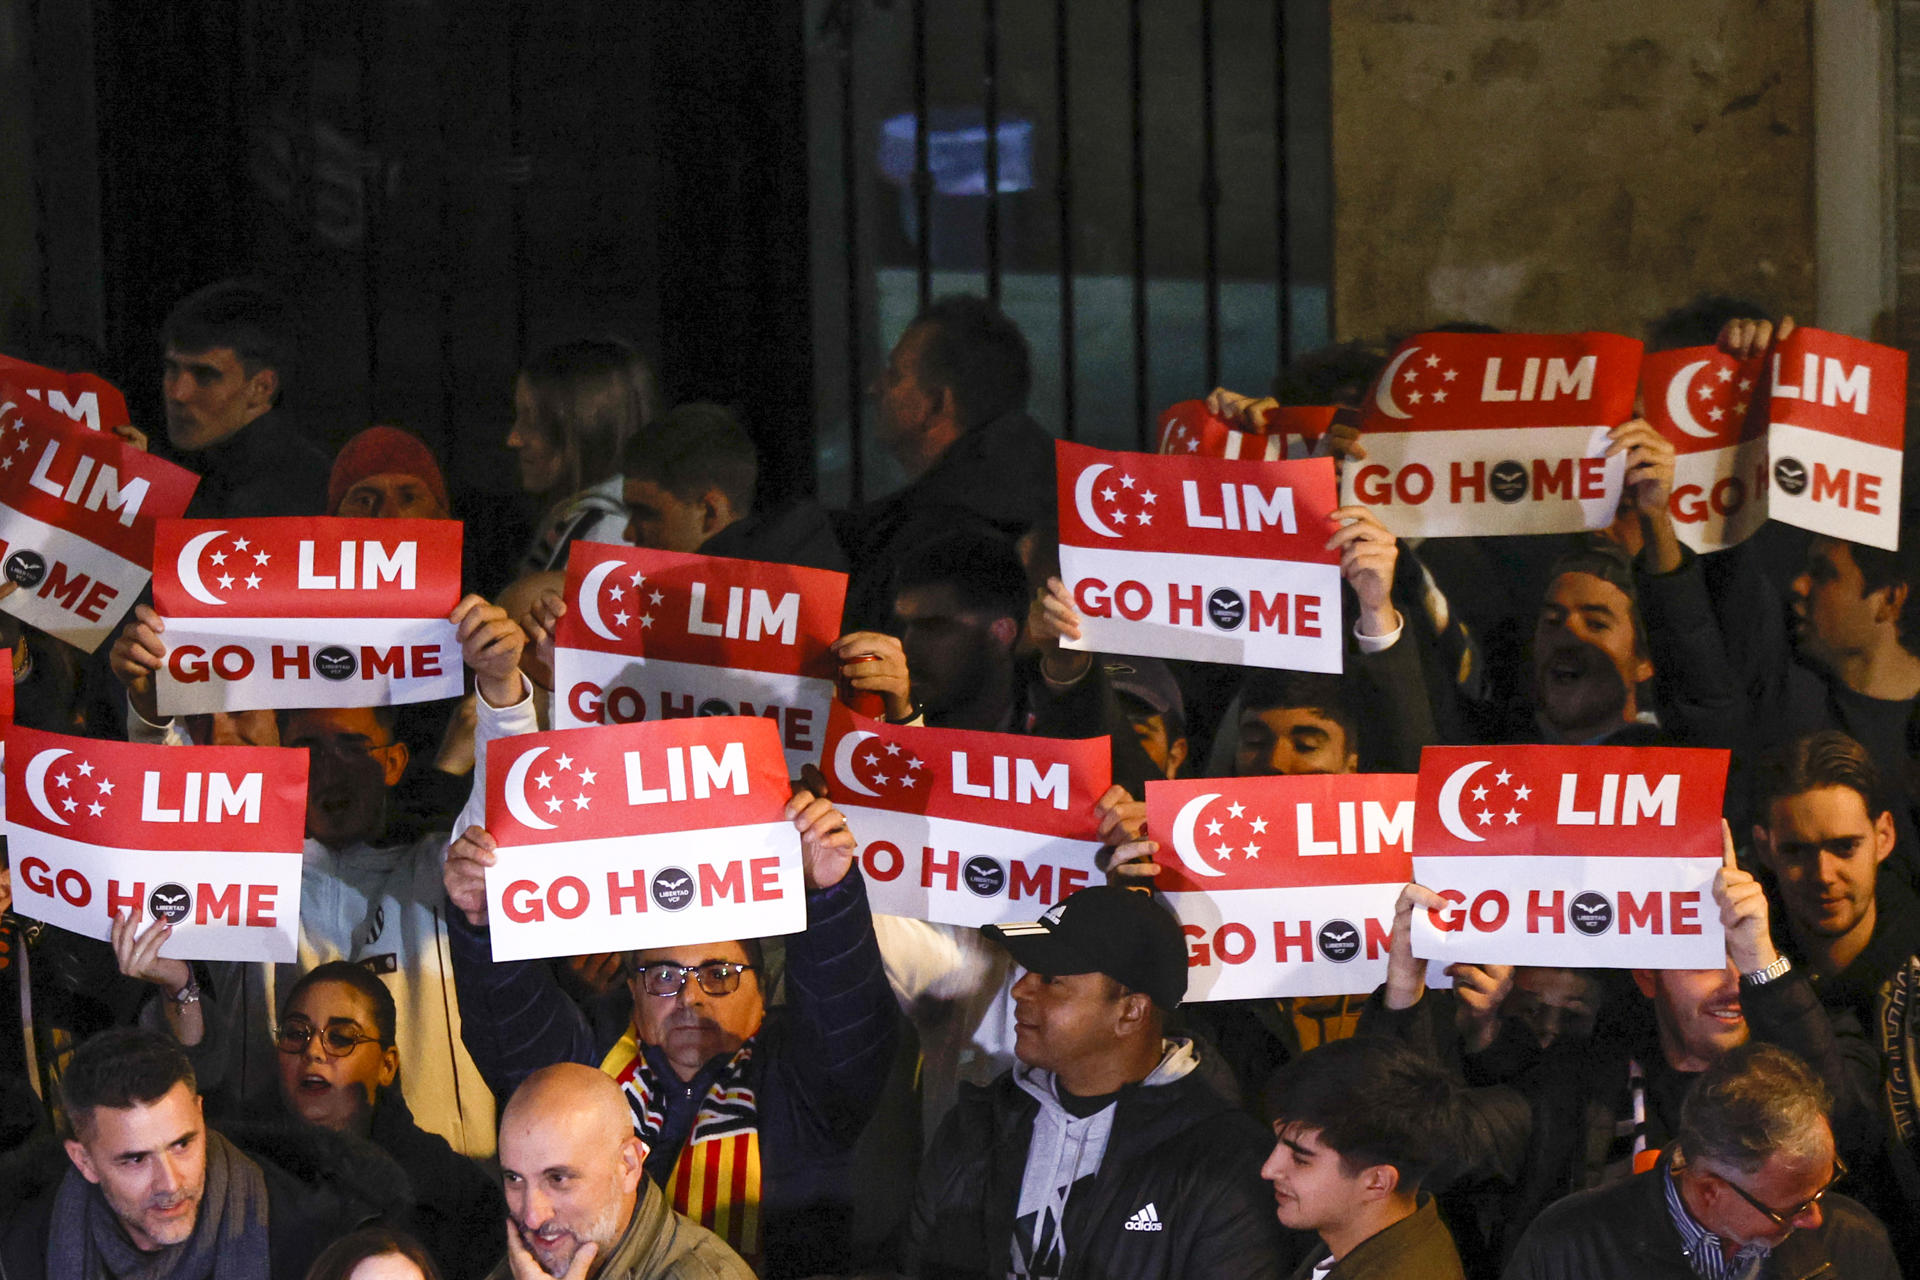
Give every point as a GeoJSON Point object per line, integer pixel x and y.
{"type": "Point", "coordinates": [1829, 382]}
{"type": "Point", "coordinates": [85, 398]}
{"type": "Point", "coordinates": [1640, 802]}
{"type": "Point", "coordinates": [707, 610]}
{"type": "Point", "coordinates": [283, 567]}
{"type": "Point", "coordinates": [1482, 381]}
{"type": "Point", "coordinates": [1191, 429]}
{"type": "Point", "coordinates": [613, 781]}
{"type": "Point", "coordinates": [1007, 780]}
{"type": "Point", "coordinates": [6, 688]}
{"type": "Point", "coordinates": [1702, 399]}
{"type": "Point", "coordinates": [1220, 834]}
{"type": "Point", "coordinates": [90, 483]}
{"type": "Point", "coordinates": [1195, 505]}
{"type": "Point", "coordinates": [124, 795]}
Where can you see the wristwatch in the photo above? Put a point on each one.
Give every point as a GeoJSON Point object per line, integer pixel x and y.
{"type": "Point", "coordinates": [914, 712]}
{"type": "Point", "coordinates": [189, 994]}
{"type": "Point", "coordinates": [1761, 977]}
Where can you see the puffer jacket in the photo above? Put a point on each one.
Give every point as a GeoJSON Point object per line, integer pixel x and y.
{"type": "Point", "coordinates": [1177, 1149]}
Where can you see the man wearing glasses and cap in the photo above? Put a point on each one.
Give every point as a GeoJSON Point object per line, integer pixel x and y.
{"type": "Point", "coordinates": [1102, 1153]}
{"type": "Point", "coordinates": [1741, 1192]}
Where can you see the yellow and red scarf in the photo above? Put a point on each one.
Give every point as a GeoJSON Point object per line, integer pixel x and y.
{"type": "Point", "coordinates": [716, 1179]}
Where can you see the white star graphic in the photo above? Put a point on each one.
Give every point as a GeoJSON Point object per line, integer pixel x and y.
{"type": "Point", "coordinates": [1409, 375]}
{"type": "Point", "coordinates": [638, 580]}
{"type": "Point", "coordinates": [218, 557]}
{"type": "Point", "coordinates": [1146, 517]}
{"type": "Point", "coordinates": [646, 620]}
{"type": "Point", "coordinates": [586, 777]}
{"type": "Point", "coordinates": [62, 779]}
{"type": "Point", "coordinates": [580, 802]}
{"type": "Point", "coordinates": [893, 748]}
{"type": "Point", "coordinates": [913, 764]}
{"type": "Point", "coordinates": [1235, 809]}
{"type": "Point", "coordinates": [1108, 493]}
{"type": "Point", "coordinates": [553, 804]}
{"type": "Point", "coordinates": [96, 808]}
{"type": "Point", "coordinates": [1439, 397]}
{"type": "Point", "coordinates": [241, 544]}
{"type": "Point", "coordinates": [1126, 482]}
{"type": "Point", "coordinates": [1502, 777]}
{"type": "Point", "coordinates": [1191, 445]}
{"type": "Point", "coordinates": [906, 779]}
{"type": "Point", "coordinates": [23, 445]}
{"type": "Point", "coordinates": [564, 763]}
{"type": "Point", "coordinates": [69, 804]}
{"type": "Point", "coordinates": [1521, 793]}
{"type": "Point", "coordinates": [1479, 793]}
{"type": "Point", "coordinates": [1447, 375]}
{"type": "Point", "coordinates": [880, 779]}
{"type": "Point", "coordinates": [1486, 818]}
{"type": "Point", "coordinates": [621, 618]}
{"type": "Point", "coordinates": [226, 580]}
{"type": "Point", "coordinates": [1147, 496]}
{"type": "Point", "coordinates": [1120, 516]}
{"type": "Point", "coordinates": [1725, 375]}
{"type": "Point", "coordinates": [1253, 851]}
{"type": "Point", "coordinates": [655, 598]}
{"type": "Point", "coordinates": [1513, 817]}
{"type": "Point", "coordinates": [545, 780]}
{"type": "Point", "coordinates": [1415, 397]}
{"type": "Point", "coordinates": [106, 787]}
{"type": "Point", "coordinates": [1706, 393]}
{"type": "Point", "coordinates": [1259, 826]}
{"type": "Point", "coordinates": [6, 464]}
{"type": "Point", "coordinates": [1740, 408]}
{"type": "Point", "coordinates": [261, 557]}
{"type": "Point", "coordinates": [871, 759]}
{"type": "Point", "coordinates": [1746, 384]}
{"type": "Point", "coordinates": [85, 770]}
{"type": "Point", "coordinates": [615, 594]}
{"type": "Point", "coordinates": [1432, 360]}
{"type": "Point", "coordinates": [1717, 413]}
{"type": "Point", "coordinates": [253, 581]}
{"type": "Point", "coordinates": [1224, 853]}
{"type": "Point", "coordinates": [1213, 828]}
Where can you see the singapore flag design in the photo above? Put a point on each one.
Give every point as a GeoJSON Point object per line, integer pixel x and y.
{"type": "Point", "coordinates": [962, 827]}
{"type": "Point", "coordinates": [288, 612]}
{"type": "Point", "coordinates": [208, 838]}
{"type": "Point", "coordinates": [1470, 433]}
{"type": "Point", "coordinates": [652, 635]}
{"type": "Point", "coordinates": [1287, 431]}
{"type": "Point", "coordinates": [1212, 559]}
{"type": "Point", "coordinates": [654, 834]}
{"type": "Point", "coordinates": [1713, 408]}
{"type": "Point", "coordinates": [1284, 886]}
{"type": "Point", "coordinates": [85, 398]}
{"type": "Point", "coordinates": [1594, 856]}
{"type": "Point", "coordinates": [77, 512]}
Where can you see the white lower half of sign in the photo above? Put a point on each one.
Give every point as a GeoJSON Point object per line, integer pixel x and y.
{"type": "Point", "coordinates": [1607, 913]}
{"type": "Point", "coordinates": [248, 664]}
{"type": "Point", "coordinates": [1248, 613]}
{"type": "Point", "coordinates": [1324, 940]}
{"type": "Point", "coordinates": [1719, 495]}
{"type": "Point", "coordinates": [224, 906]}
{"type": "Point", "coordinates": [70, 588]}
{"type": "Point", "coordinates": [1843, 488]}
{"type": "Point", "coordinates": [608, 688]}
{"type": "Point", "coordinates": [1447, 483]}
{"type": "Point", "coordinates": [616, 894]}
{"type": "Point", "coordinates": [965, 873]}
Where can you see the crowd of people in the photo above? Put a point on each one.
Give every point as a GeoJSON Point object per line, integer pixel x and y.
{"type": "Point", "coordinates": [878, 1095]}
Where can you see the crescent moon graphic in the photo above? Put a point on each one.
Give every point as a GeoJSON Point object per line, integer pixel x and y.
{"type": "Point", "coordinates": [35, 779]}
{"type": "Point", "coordinates": [1679, 409]}
{"type": "Point", "coordinates": [843, 761]}
{"type": "Point", "coordinates": [1450, 801]}
{"type": "Point", "coordinates": [1183, 824]}
{"type": "Point", "coordinates": [1083, 498]}
{"type": "Point", "coordinates": [590, 598]}
{"type": "Point", "coordinates": [516, 790]}
{"type": "Point", "coordinates": [1383, 394]}
{"type": "Point", "coordinates": [188, 567]}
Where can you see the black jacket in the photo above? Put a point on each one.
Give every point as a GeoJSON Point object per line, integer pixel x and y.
{"type": "Point", "coordinates": [799, 534]}
{"type": "Point", "coordinates": [1178, 1147]}
{"type": "Point", "coordinates": [267, 468]}
{"type": "Point", "coordinates": [1625, 1230]}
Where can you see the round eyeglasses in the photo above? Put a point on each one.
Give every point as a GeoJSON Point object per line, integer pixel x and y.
{"type": "Point", "coordinates": [666, 978]}
{"type": "Point", "coordinates": [294, 1037]}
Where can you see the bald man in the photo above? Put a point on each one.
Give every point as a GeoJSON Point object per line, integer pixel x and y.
{"type": "Point", "coordinates": [579, 1204]}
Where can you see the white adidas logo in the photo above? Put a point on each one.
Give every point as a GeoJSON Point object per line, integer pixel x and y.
{"type": "Point", "coordinates": [1148, 1219]}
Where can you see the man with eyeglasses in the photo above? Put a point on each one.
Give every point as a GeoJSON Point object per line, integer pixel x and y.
{"type": "Point", "coordinates": [748, 1114]}
{"type": "Point", "coordinates": [1745, 1190]}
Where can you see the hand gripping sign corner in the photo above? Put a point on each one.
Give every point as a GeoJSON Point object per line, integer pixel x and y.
{"type": "Point", "coordinates": [964, 827]}
{"type": "Point", "coordinates": [278, 612]}
{"type": "Point", "coordinates": [1284, 886]}
{"type": "Point", "coordinates": [1580, 856]}
{"type": "Point", "coordinates": [1214, 559]}
{"type": "Point", "coordinates": [207, 838]}
{"type": "Point", "coordinates": [651, 834]}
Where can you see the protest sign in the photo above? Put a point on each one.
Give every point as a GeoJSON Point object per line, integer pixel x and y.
{"type": "Point", "coordinates": [658, 634]}
{"type": "Point", "coordinates": [962, 827]}
{"type": "Point", "coordinates": [1580, 856]}
{"type": "Point", "coordinates": [1284, 886]}
{"type": "Point", "coordinates": [6, 722]}
{"type": "Point", "coordinates": [85, 398]}
{"type": "Point", "coordinates": [208, 838]}
{"type": "Point", "coordinates": [640, 835]}
{"type": "Point", "coordinates": [1809, 434]}
{"type": "Point", "coordinates": [1285, 431]}
{"type": "Point", "coordinates": [288, 612]}
{"type": "Point", "coordinates": [1473, 433]}
{"type": "Point", "coordinates": [77, 509]}
{"type": "Point", "coordinates": [1212, 559]}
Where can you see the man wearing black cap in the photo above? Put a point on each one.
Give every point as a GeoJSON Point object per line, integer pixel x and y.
{"type": "Point", "coordinates": [1102, 1152]}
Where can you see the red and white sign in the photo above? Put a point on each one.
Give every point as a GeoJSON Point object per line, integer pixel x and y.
{"type": "Point", "coordinates": [1810, 434]}
{"type": "Point", "coordinates": [86, 398]}
{"type": "Point", "coordinates": [1287, 431]}
{"type": "Point", "coordinates": [6, 722]}
{"type": "Point", "coordinates": [1579, 856]}
{"type": "Point", "coordinates": [1473, 433]}
{"type": "Point", "coordinates": [651, 635]}
{"type": "Point", "coordinates": [207, 837]}
{"type": "Point", "coordinates": [77, 509]}
{"type": "Point", "coordinates": [967, 828]}
{"type": "Point", "coordinates": [1211, 559]}
{"type": "Point", "coordinates": [641, 835]}
{"type": "Point", "coordinates": [1284, 886]}
{"type": "Point", "coordinates": [288, 612]}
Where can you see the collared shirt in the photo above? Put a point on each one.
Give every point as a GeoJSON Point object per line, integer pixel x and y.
{"type": "Point", "coordinates": [1702, 1248]}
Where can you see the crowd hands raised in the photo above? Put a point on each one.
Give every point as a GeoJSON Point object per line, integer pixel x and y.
{"type": "Point", "coordinates": [880, 1095]}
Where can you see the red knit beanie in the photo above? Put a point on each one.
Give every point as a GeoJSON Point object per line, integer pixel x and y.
{"type": "Point", "coordinates": [380, 451]}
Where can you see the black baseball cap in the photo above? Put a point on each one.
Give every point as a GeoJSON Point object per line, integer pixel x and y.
{"type": "Point", "coordinates": [1122, 933]}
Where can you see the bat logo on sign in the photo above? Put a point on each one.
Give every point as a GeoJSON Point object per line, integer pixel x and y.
{"type": "Point", "coordinates": [1339, 941]}
{"type": "Point", "coordinates": [334, 663]}
{"type": "Point", "coordinates": [169, 902]}
{"type": "Point", "coordinates": [1508, 480]}
{"type": "Point", "coordinates": [1226, 609]}
{"type": "Point", "coordinates": [984, 876]}
{"type": "Point", "coordinates": [1591, 913]}
{"type": "Point", "coordinates": [672, 888]}
{"type": "Point", "coordinates": [1791, 475]}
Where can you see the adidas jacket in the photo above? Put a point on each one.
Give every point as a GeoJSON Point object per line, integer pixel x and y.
{"type": "Point", "coordinates": [1178, 1195]}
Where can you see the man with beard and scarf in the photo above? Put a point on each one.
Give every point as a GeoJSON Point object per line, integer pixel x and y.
{"type": "Point", "coordinates": [150, 1192]}
{"type": "Point", "coordinates": [579, 1203]}
{"type": "Point", "coordinates": [365, 896]}
{"type": "Point", "coordinates": [1542, 1123]}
